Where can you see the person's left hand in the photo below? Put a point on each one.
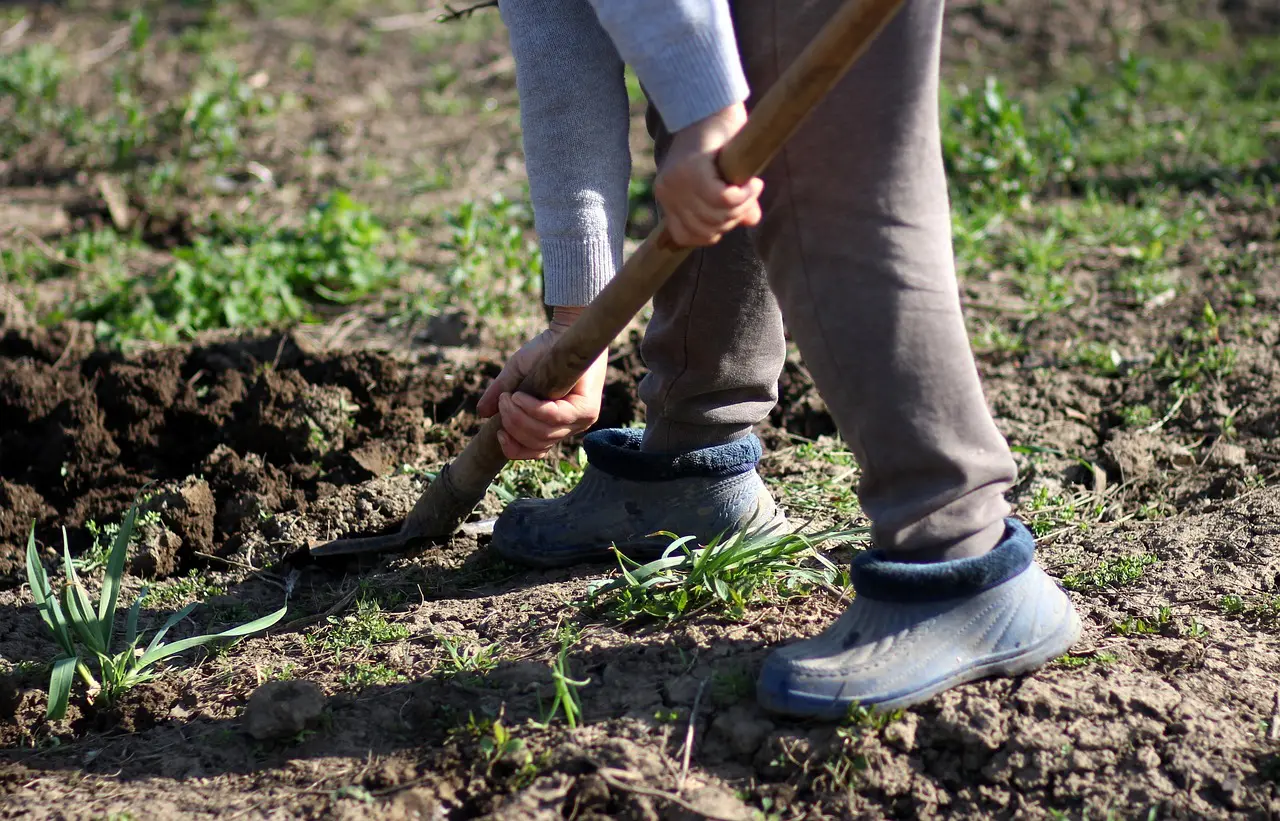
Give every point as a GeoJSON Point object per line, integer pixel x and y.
{"type": "Point", "coordinates": [531, 427]}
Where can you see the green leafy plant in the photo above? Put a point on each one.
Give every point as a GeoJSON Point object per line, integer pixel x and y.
{"type": "Point", "coordinates": [1118, 572]}
{"type": "Point", "coordinates": [566, 700]}
{"type": "Point", "coordinates": [466, 658]}
{"type": "Point", "coordinates": [726, 574]}
{"type": "Point", "coordinates": [248, 276]}
{"type": "Point", "coordinates": [361, 629]}
{"type": "Point", "coordinates": [500, 744]}
{"type": "Point", "coordinates": [497, 264]}
{"type": "Point", "coordinates": [82, 629]}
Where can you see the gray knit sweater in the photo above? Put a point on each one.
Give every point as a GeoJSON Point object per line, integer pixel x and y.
{"type": "Point", "coordinates": [574, 113]}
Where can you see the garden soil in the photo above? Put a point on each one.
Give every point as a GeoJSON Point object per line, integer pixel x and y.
{"type": "Point", "coordinates": [247, 450]}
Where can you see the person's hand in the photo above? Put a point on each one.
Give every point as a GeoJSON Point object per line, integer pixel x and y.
{"type": "Point", "coordinates": [699, 207]}
{"type": "Point", "coordinates": [532, 426]}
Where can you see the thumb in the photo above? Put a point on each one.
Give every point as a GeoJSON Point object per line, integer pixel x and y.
{"type": "Point", "coordinates": [505, 382]}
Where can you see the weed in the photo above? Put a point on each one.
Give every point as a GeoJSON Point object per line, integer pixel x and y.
{"type": "Point", "coordinates": [497, 265]}
{"type": "Point", "coordinates": [466, 658]}
{"type": "Point", "coordinates": [733, 685]}
{"type": "Point", "coordinates": [95, 558]}
{"type": "Point", "coordinates": [1071, 661]}
{"type": "Point", "coordinates": [1134, 417]}
{"type": "Point", "coordinates": [728, 574]}
{"type": "Point", "coordinates": [501, 745]}
{"type": "Point", "coordinates": [1201, 355]}
{"type": "Point", "coordinates": [1038, 258]}
{"type": "Point", "coordinates": [362, 629]}
{"type": "Point", "coordinates": [539, 478]}
{"type": "Point", "coordinates": [1098, 357]}
{"type": "Point", "coordinates": [1111, 573]}
{"type": "Point", "coordinates": [247, 277]}
{"type": "Point", "coordinates": [1163, 623]}
{"type": "Point", "coordinates": [362, 674]}
{"type": "Point", "coordinates": [566, 699]}
{"type": "Point", "coordinates": [993, 339]}
{"type": "Point", "coordinates": [995, 155]}
{"type": "Point", "coordinates": [843, 768]}
{"type": "Point", "coordinates": [862, 718]}
{"type": "Point", "coordinates": [829, 495]}
{"type": "Point", "coordinates": [1260, 608]}
{"type": "Point", "coordinates": [80, 627]}
{"type": "Point", "coordinates": [195, 585]}
{"type": "Point", "coordinates": [1050, 513]}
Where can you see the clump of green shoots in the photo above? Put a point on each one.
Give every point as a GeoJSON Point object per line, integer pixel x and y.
{"type": "Point", "coordinates": [83, 630]}
{"type": "Point", "coordinates": [566, 687]}
{"type": "Point", "coordinates": [725, 574]}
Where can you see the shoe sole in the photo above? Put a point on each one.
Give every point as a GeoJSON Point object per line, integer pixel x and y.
{"type": "Point", "coordinates": [1015, 663]}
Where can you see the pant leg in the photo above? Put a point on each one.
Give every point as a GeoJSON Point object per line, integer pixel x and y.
{"type": "Point", "coordinates": [715, 345]}
{"type": "Point", "coordinates": [857, 240]}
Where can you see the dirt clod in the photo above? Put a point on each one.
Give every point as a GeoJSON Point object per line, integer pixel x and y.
{"type": "Point", "coordinates": [279, 710]}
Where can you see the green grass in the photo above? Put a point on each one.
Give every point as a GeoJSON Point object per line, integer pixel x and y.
{"type": "Point", "coordinates": [726, 576]}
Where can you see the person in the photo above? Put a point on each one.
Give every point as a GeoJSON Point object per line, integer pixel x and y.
{"type": "Point", "coordinates": [847, 236]}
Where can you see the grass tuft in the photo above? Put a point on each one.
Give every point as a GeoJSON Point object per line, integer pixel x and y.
{"type": "Point", "coordinates": [726, 575]}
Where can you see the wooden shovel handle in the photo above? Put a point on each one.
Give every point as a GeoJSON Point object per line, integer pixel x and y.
{"type": "Point", "coordinates": [776, 117]}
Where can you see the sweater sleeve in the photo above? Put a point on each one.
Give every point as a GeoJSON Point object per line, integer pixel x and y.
{"type": "Point", "coordinates": [684, 52]}
{"type": "Point", "coordinates": [575, 120]}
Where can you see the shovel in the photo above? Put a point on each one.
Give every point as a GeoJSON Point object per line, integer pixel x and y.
{"type": "Point", "coordinates": [460, 486]}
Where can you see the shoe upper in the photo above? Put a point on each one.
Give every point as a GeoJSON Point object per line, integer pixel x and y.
{"type": "Point", "coordinates": [627, 497]}
{"type": "Point", "coordinates": [893, 647]}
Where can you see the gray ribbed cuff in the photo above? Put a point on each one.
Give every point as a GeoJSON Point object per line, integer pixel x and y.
{"type": "Point", "coordinates": [575, 269]}
{"type": "Point", "coordinates": [695, 77]}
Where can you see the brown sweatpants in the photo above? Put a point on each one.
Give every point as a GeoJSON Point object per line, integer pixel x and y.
{"type": "Point", "coordinates": [855, 253]}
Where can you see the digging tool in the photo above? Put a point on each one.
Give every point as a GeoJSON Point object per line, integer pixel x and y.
{"type": "Point", "coordinates": [460, 486]}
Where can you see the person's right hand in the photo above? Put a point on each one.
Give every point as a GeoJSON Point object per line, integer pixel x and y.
{"type": "Point", "coordinates": [532, 426]}
{"type": "Point", "coordinates": [698, 206]}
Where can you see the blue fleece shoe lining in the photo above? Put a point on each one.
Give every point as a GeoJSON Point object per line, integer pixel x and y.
{"type": "Point", "coordinates": [616, 451]}
{"type": "Point", "coordinates": [876, 577]}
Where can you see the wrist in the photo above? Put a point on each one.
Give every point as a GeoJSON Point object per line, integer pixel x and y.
{"type": "Point", "coordinates": [563, 316]}
{"type": "Point", "coordinates": [717, 128]}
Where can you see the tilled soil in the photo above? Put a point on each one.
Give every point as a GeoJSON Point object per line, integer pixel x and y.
{"type": "Point", "coordinates": [248, 450]}
{"type": "Point", "coordinates": [282, 448]}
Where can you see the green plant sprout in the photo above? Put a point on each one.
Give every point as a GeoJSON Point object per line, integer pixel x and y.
{"type": "Point", "coordinates": [566, 700]}
{"type": "Point", "coordinates": [81, 629]}
{"type": "Point", "coordinates": [727, 573]}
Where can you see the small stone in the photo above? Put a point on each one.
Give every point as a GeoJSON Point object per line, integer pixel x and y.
{"type": "Point", "coordinates": [282, 709]}
{"type": "Point", "coordinates": [1225, 455]}
{"type": "Point", "coordinates": [742, 731]}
